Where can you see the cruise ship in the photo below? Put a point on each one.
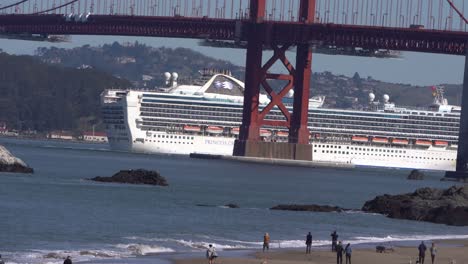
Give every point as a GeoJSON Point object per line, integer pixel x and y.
{"type": "Point", "coordinates": [205, 117]}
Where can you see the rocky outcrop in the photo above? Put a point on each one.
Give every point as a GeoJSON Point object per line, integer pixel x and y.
{"type": "Point", "coordinates": [232, 205]}
{"type": "Point", "coordinates": [309, 208]}
{"type": "Point", "coordinates": [10, 163]}
{"type": "Point", "coordinates": [139, 176]}
{"type": "Point", "coordinates": [416, 175]}
{"type": "Point", "coordinates": [448, 206]}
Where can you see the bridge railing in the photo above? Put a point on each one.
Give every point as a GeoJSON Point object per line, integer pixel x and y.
{"type": "Point", "coordinates": [417, 14]}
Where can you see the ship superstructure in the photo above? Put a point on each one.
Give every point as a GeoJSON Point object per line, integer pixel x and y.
{"type": "Point", "coordinates": [205, 118]}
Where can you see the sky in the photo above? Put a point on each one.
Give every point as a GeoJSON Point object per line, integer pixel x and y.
{"type": "Point", "coordinates": [414, 68]}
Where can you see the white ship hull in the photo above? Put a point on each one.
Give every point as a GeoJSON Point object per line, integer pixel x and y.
{"type": "Point", "coordinates": [433, 158]}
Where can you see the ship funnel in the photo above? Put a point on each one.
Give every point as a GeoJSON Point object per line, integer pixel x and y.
{"type": "Point", "coordinates": [175, 76]}
{"type": "Point", "coordinates": [167, 76]}
{"type": "Point", "coordinates": [386, 98]}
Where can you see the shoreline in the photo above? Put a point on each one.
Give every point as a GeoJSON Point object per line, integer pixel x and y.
{"type": "Point", "coordinates": [448, 250]}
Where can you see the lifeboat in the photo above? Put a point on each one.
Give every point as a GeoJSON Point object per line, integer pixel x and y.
{"type": "Point", "coordinates": [421, 142]}
{"type": "Point", "coordinates": [282, 133]}
{"type": "Point", "coordinates": [235, 131]}
{"type": "Point", "coordinates": [214, 130]}
{"type": "Point", "coordinates": [188, 128]}
{"type": "Point", "coordinates": [359, 139]}
{"type": "Point", "coordinates": [398, 141]}
{"type": "Point", "coordinates": [380, 140]}
{"type": "Point", "coordinates": [265, 133]}
{"type": "Point", "coordinates": [440, 143]}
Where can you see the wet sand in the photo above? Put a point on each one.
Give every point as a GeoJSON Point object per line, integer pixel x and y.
{"type": "Point", "coordinates": [448, 252]}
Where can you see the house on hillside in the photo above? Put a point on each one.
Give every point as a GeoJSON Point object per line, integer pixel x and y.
{"type": "Point", "coordinates": [94, 136]}
{"type": "Point", "coordinates": [63, 135]}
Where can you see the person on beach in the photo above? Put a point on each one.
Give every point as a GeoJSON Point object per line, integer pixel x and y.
{"type": "Point", "coordinates": [1, 260]}
{"type": "Point", "coordinates": [68, 260]}
{"type": "Point", "coordinates": [433, 250]}
{"type": "Point", "coordinates": [211, 254]}
{"type": "Point", "coordinates": [308, 243]}
{"type": "Point", "coordinates": [348, 251]}
{"type": "Point", "coordinates": [334, 236]}
{"type": "Point", "coordinates": [422, 252]}
{"type": "Point", "coordinates": [339, 253]}
{"type": "Point", "coordinates": [266, 242]}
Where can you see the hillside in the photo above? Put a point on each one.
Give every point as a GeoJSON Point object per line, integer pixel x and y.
{"type": "Point", "coordinates": [144, 67]}
{"type": "Point", "coordinates": [59, 89]}
{"type": "Point", "coordinates": [141, 64]}
{"type": "Point", "coordinates": [37, 96]}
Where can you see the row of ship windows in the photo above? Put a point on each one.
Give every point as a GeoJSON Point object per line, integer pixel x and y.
{"type": "Point", "coordinates": [318, 125]}
{"type": "Point", "coordinates": [383, 126]}
{"type": "Point", "coordinates": [361, 149]}
{"type": "Point", "coordinates": [173, 137]}
{"type": "Point", "coordinates": [385, 131]}
{"type": "Point", "coordinates": [315, 113]}
{"type": "Point", "coordinates": [194, 116]}
{"type": "Point", "coordinates": [325, 120]}
{"type": "Point", "coordinates": [380, 155]}
{"type": "Point", "coordinates": [384, 122]}
{"type": "Point", "coordinates": [170, 142]}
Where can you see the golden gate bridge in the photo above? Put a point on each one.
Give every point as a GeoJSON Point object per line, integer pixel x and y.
{"type": "Point", "coordinates": [431, 26]}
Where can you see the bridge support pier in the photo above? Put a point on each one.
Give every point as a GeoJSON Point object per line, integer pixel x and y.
{"type": "Point", "coordinates": [249, 142]}
{"type": "Point", "coordinates": [461, 171]}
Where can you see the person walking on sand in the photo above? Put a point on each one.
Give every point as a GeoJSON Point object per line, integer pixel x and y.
{"type": "Point", "coordinates": [348, 251]}
{"type": "Point", "coordinates": [433, 250]}
{"type": "Point", "coordinates": [211, 254]}
{"type": "Point", "coordinates": [308, 243]}
{"type": "Point", "coordinates": [68, 260]}
{"type": "Point", "coordinates": [266, 242]}
{"type": "Point", "coordinates": [422, 252]}
{"type": "Point", "coordinates": [339, 253]}
{"type": "Point", "coordinates": [334, 236]}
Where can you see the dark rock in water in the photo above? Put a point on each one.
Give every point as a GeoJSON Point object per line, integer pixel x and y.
{"type": "Point", "coordinates": [139, 176]}
{"type": "Point", "coordinates": [10, 163]}
{"type": "Point", "coordinates": [16, 167]}
{"type": "Point", "coordinates": [229, 205]}
{"type": "Point", "coordinates": [309, 208]}
{"type": "Point", "coordinates": [448, 206]}
{"type": "Point", "coordinates": [416, 175]}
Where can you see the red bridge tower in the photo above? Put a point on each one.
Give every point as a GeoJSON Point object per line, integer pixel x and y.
{"type": "Point", "coordinates": [256, 76]}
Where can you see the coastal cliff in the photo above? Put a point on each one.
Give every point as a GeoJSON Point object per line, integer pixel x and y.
{"type": "Point", "coordinates": [10, 163]}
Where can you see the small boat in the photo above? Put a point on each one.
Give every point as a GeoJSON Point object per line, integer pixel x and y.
{"type": "Point", "coordinates": [399, 141]}
{"type": "Point", "coordinates": [214, 130]}
{"type": "Point", "coordinates": [235, 131]}
{"type": "Point", "coordinates": [282, 134]}
{"type": "Point", "coordinates": [188, 128]}
{"type": "Point", "coordinates": [380, 140]}
{"type": "Point", "coordinates": [265, 133]}
{"type": "Point", "coordinates": [421, 142]}
{"type": "Point", "coordinates": [359, 139]}
{"type": "Point", "coordinates": [440, 143]}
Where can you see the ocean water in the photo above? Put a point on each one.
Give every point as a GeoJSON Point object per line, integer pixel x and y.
{"type": "Point", "coordinates": [57, 212]}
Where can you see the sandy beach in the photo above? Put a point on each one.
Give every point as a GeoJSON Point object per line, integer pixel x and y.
{"type": "Point", "coordinates": [448, 251]}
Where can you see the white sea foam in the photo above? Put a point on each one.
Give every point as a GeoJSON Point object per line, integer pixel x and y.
{"type": "Point", "coordinates": [142, 249]}
{"type": "Point", "coordinates": [227, 244]}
